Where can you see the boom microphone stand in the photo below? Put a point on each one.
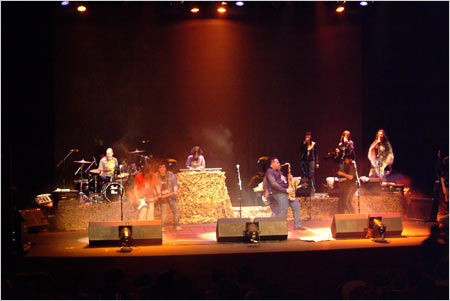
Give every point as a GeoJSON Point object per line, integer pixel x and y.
{"type": "Point", "coordinates": [358, 183]}
{"type": "Point", "coordinates": [63, 161]}
{"type": "Point", "coordinates": [240, 191]}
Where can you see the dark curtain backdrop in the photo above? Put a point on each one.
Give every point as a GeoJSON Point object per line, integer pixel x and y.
{"type": "Point", "coordinates": [238, 89]}
{"type": "Point", "coordinates": [241, 87]}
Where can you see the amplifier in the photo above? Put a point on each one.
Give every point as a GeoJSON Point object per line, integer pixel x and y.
{"type": "Point", "coordinates": [64, 194]}
{"type": "Point", "coordinates": [392, 187]}
{"type": "Point", "coordinates": [34, 220]}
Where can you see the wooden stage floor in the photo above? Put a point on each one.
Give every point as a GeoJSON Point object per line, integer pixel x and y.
{"type": "Point", "coordinates": [312, 269]}
{"type": "Point", "coordinates": [201, 239]}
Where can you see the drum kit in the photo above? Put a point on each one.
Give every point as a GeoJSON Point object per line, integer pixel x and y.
{"type": "Point", "coordinates": [96, 189]}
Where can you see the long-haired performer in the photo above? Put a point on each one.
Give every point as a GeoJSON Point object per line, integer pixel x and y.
{"type": "Point", "coordinates": [381, 155]}
{"type": "Point", "coordinates": [345, 147]}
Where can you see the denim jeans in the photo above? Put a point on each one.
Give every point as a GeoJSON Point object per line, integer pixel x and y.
{"type": "Point", "coordinates": [172, 202]}
{"type": "Point", "coordinates": [147, 213]}
{"type": "Point", "coordinates": [282, 206]}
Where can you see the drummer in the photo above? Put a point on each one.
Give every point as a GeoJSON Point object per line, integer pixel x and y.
{"type": "Point", "coordinates": [108, 165]}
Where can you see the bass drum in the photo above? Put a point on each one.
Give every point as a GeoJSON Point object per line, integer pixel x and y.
{"type": "Point", "coordinates": [113, 191]}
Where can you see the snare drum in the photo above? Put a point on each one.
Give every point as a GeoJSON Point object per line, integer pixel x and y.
{"type": "Point", "coordinates": [112, 192]}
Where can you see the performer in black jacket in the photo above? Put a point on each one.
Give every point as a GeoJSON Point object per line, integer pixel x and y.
{"type": "Point", "coordinates": [346, 146]}
{"type": "Point", "coordinates": [309, 159]}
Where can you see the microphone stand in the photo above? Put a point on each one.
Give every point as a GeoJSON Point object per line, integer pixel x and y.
{"type": "Point", "coordinates": [240, 191]}
{"type": "Point", "coordinates": [64, 161]}
{"type": "Point", "coordinates": [95, 180]}
{"type": "Point", "coordinates": [121, 195]}
{"type": "Point", "coordinates": [358, 183]}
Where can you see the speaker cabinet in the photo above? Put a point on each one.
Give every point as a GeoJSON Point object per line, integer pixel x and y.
{"type": "Point", "coordinates": [146, 232]}
{"type": "Point", "coordinates": [349, 225]}
{"type": "Point", "coordinates": [393, 223]}
{"type": "Point", "coordinates": [64, 195]}
{"type": "Point", "coordinates": [234, 229]}
{"type": "Point", "coordinates": [231, 229]}
{"type": "Point", "coordinates": [34, 220]}
{"type": "Point", "coordinates": [424, 209]}
{"type": "Point", "coordinates": [272, 228]}
{"type": "Point", "coordinates": [142, 233]}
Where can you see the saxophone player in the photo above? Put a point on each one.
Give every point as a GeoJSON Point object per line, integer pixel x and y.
{"type": "Point", "coordinates": [277, 189]}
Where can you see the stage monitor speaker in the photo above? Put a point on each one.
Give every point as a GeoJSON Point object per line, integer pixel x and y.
{"type": "Point", "coordinates": [392, 221]}
{"type": "Point", "coordinates": [231, 229]}
{"type": "Point", "coordinates": [349, 225]}
{"type": "Point", "coordinates": [146, 233]}
{"type": "Point", "coordinates": [234, 229]}
{"type": "Point", "coordinates": [34, 220]}
{"type": "Point", "coordinates": [423, 208]}
{"type": "Point", "coordinates": [142, 233]}
{"type": "Point", "coordinates": [272, 228]}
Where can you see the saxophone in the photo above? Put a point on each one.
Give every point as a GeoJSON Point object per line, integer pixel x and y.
{"type": "Point", "coordinates": [291, 182]}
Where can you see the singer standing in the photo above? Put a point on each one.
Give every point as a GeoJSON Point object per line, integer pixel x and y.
{"type": "Point", "coordinates": [346, 146]}
{"type": "Point", "coordinates": [309, 159]}
{"type": "Point", "coordinates": [348, 186]}
{"type": "Point", "coordinates": [381, 156]}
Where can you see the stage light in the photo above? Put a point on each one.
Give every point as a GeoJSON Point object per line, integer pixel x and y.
{"type": "Point", "coordinates": [252, 234]}
{"type": "Point", "coordinates": [239, 3]}
{"type": "Point", "coordinates": [340, 9]}
{"type": "Point", "coordinates": [81, 8]}
{"type": "Point", "coordinates": [195, 10]}
{"type": "Point", "coordinates": [125, 234]}
{"type": "Point", "coordinates": [375, 223]}
{"type": "Point", "coordinates": [65, 3]}
{"type": "Point", "coordinates": [363, 3]}
{"type": "Point", "coordinates": [224, 3]}
{"type": "Point", "coordinates": [221, 10]}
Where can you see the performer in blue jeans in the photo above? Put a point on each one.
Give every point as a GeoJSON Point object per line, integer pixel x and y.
{"type": "Point", "coordinates": [277, 189]}
{"type": "Point", "coordinates": [167, 183]}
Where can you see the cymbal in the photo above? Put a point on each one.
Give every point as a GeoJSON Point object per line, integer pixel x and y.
{"type": "Point", "coordinates": [137, 151]}
{"type": "Point", "coordinates": [83, 162]}
{"type": "Point", "coordinates": [98, 170]}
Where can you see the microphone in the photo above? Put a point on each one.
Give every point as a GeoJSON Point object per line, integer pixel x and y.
{"type": "Point", "coordinates": [95, 161]}
{"type": "Point", "coordinates": [237, 166]}
{"type": "Point", "coordinates": [74, 150]}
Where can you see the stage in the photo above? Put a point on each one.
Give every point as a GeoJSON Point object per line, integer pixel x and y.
{"type": "Point", "coordinates": [201, 239]}
{"type": "Point", "coordinates": [304, 269]}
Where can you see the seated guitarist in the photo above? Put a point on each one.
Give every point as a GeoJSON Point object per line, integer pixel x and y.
{"type": "Point", "coordinates": [167, 184]}
{"type": "Point", "coordinates": [145, 191]}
